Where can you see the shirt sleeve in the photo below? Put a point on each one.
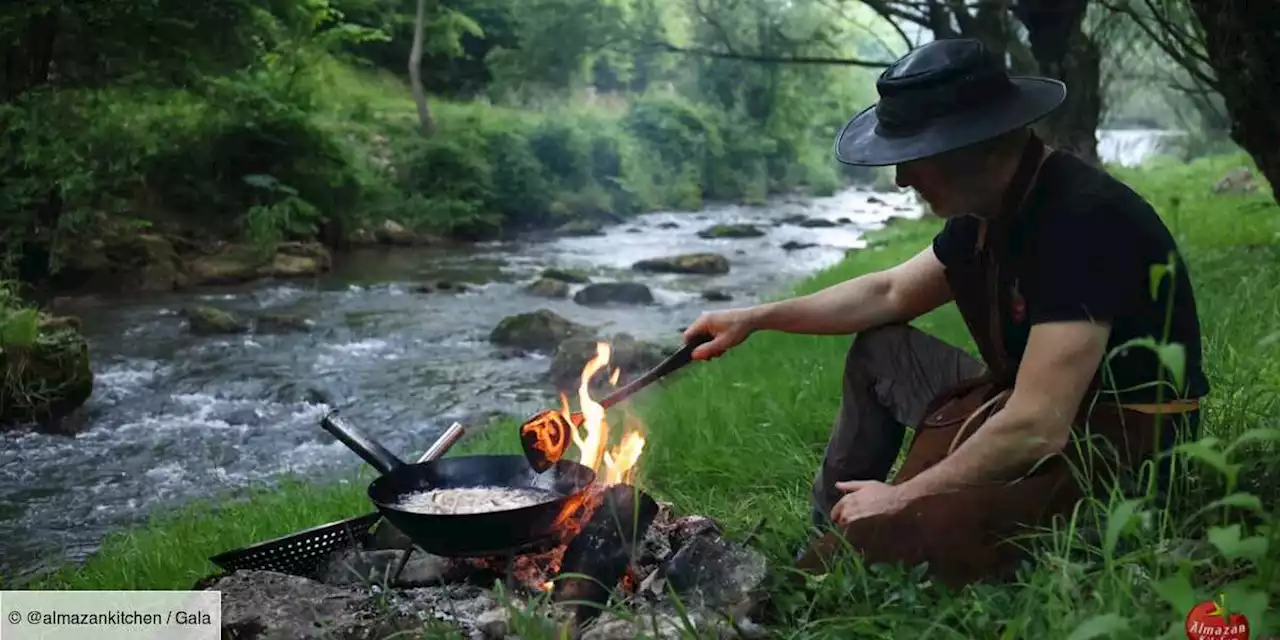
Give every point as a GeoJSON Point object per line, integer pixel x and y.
{"type": "Point", "coordinates": [1086, 269]}
{"type": "Point", "coordinates": [953, 240]}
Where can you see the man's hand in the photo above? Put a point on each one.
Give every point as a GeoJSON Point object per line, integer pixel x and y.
{"type": "Point", "coordinates": [865, 498]}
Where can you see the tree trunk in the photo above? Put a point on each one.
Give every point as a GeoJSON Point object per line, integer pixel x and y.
{"type": "Point", "coordinates": [1242, 48]}
{"type": "Point", "coordinates": [1064, 52]}
{"type": "Point", "coordinates": [425, 123]}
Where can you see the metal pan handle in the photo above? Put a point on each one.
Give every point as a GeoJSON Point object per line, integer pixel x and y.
{"type": "Point", "coordinates": [372, 452]}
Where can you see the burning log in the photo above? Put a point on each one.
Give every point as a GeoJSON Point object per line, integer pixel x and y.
{"type": "Point", "coordinates": [598, 558]}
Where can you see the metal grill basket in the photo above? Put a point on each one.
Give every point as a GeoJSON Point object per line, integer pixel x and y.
{"type": "Point", "coordinates": [300, 553]}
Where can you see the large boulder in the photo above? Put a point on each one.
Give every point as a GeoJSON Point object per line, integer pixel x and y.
{"type": "Point", "coordinates": [606, 293]}
{"type": "Point", "coordinates": [695, 263]}
{"type": "Point", "coordinates": [123, 261]}
{"type": "Point", "coordinates": [538, 331]}
{"type": "Point", "coordinates": [45, 374]}
{"type": "Point", "coordinates": [730, 231]}
{"type": "Point", "coordinates": [633, 357]}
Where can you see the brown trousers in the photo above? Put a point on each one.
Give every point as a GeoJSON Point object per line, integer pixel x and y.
{"type": "Point", "coordinates": [892, 375]}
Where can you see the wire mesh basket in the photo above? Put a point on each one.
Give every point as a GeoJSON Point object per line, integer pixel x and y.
{"type": "Point", "coordinates": [302, 553]}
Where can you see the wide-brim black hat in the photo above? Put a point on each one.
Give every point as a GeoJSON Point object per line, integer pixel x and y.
{"type": "Point", "coordinates": [942, 96]}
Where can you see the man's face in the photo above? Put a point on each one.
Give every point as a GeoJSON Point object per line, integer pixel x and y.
{"type": "Point", "coordinates": [949, 192]}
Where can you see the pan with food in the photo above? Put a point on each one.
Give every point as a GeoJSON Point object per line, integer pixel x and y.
{"type": "Point", "coordinates": [477, 505]}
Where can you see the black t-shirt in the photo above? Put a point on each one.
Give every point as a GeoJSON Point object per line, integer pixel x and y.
{"type": "Point", "coordinates": [1082, 248]}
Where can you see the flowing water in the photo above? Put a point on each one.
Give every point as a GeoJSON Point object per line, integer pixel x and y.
{"type": "Point", "coordinates": [176, 416]}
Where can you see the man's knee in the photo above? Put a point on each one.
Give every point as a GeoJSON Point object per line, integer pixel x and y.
{"type": "Point", "coordinates": [876, 344]}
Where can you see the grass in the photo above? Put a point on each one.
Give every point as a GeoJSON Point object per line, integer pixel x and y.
{"type": "Point", "coordinates": [739, 438]}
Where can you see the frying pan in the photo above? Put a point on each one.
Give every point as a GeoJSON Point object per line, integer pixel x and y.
{"type": "Point", "coordinates": [546, 436]}
{"type": "Point", "coordinates": [468, 534]}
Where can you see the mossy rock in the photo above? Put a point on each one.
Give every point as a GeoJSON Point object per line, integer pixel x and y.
{"type": "Point", "coordinates": [283, 323]}
{"type": "Point", "coordinates": [205, 321]}
{"type": "Point", "coordinates": [731, 231]}
{"type": "Point", "coordinates": [571, 276]}
{"type": "Point", "coordinates": [631, 356]}
{"type": "Point", "coordinates": [548, 288]}
{"type": "Point", "coordinates": [542, 330]}
{"type": "Point", "coordinates": [607, 293]}
{"type": "Point", "coordinates": [694, 263]}
{"type": "Point", "coordinates": [583, 227]}
{"type": "Point", "coordinates": [46, 379]}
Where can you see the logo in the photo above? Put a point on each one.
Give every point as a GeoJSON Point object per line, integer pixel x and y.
{"type": "Point", "coordinates": [1211, 620]}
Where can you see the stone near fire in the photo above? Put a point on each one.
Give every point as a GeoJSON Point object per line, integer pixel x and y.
{"type": "Point", "coordinates": [378, 566]}
{"type": "Point", "coordinates": [605, 293]}
{"type": "Point", "coordinates": [714, 573]}
{"type": "Point", "coordinates": [542, 330]}
{"type": "Point", "coordinates": [264, 605]}
{"type": "Point", "coordinates": [632, 356]}
{"type": "Point", "coordinates": [548, 288]}
{"type": "Point", "coordinates": [691, 263]}
{"type": "Point", "coordinates": [730, 231]}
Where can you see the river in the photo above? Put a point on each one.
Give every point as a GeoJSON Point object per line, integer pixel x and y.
{"type": "Point", "coordinates": [175, 416]}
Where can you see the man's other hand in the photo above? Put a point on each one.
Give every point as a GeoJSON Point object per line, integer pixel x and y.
{"type": "Point", "coordinates": [864, 498]}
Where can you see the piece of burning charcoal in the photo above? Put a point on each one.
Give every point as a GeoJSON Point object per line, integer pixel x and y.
{"type": "Point", "coordinates": [715, 573]}
{"type": "Point", "coordinates": [602, 550]}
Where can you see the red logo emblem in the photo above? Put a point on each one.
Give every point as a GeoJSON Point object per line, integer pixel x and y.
{"type": "Point", "coordinates": [1212, 620]}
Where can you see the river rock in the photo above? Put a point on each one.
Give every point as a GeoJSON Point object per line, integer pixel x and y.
{"type": "Point", "coordinates": [394, 233]}
{"type": "Point", "coordinates": [816, 223]}
{"type": "Point", "coordinates": [1238, 182]}
{"type": "Point", "coordinates": [731, 231]}
{"type": "Point", "coordinates": [632, 356]}
{"type": "Point", "coordinates": [441, 286]}
{"type": "Point", "coordinates": [542, 330]}
{"type": "Point", "coordinates": [874, 200]}
{"type": "Point", "coordinates": [669, 225]}
{"type": "Point", "coordinates": [582, 227]}
{"type": "Point", "coordinates": [124, 261]}
{"type": "Point", "coordinates": [204, 320]}
{"type": "Point", "coordinates": [792, 245]}
{"type": "Point", "coordinates": [844, 220]}
{"type": "Point", "coordinates": [572, 276]}
{"type": "Point", "coordinates": [230, 266]}
{"type": "Point", "coordinates": [46, 374]}
{"type": "Point", "coordinates": [548, 288]}
{"type": "Point", "coordinates": [716, 295]}
{"type": "Point", "coordinates": [604, 293]}
{"type": "Point", "coordinates": [694, 263]}
{"type": "Point", "coordinates": [282, 323]}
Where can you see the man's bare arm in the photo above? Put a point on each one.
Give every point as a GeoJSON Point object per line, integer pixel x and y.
{"type": "Point", "coordinates": [1060, 360]}
{"type": "Point", "coordinates": [899, 294]}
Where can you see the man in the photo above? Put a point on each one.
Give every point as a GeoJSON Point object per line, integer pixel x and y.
{"type": "Point", "coordinates": [1049, 261]}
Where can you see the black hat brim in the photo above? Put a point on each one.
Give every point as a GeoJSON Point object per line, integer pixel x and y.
{"type": "Point", "coordinates": [1033, 98]}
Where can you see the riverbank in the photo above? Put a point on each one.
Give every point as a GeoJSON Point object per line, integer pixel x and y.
{"type": "Point", "coordinates": [739, 438]}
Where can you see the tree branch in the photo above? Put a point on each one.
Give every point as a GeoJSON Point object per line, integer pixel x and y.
{"type": "Point", "coordinates": [765, 59]}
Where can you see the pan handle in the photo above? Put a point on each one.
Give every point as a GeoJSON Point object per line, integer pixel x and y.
{"type": "Point", "coordinates": [671, 364]}
{"type": "Point", "coordinates": [372, 452]}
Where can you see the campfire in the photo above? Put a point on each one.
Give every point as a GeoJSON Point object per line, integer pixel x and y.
{"type": "Point", "coordinates": [616, 546]}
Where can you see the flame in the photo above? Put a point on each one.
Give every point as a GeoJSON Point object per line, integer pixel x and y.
{"type": "Point", "coordinates": [613, 466]}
